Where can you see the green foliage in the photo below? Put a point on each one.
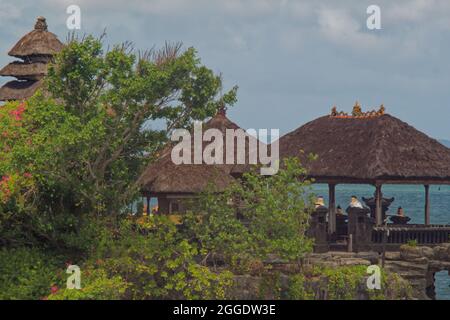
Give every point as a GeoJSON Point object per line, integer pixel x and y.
{"type": "Point", "coordinates": [82, 146]}
{"type": "Point", "coordinates": [263, 216]}
{"type": "Point", "coordinates": [124, 258]}
{"type": "Point", "coordinates": [270, 286]}
{"type": "Point", "coordinates": [393, 287]}
{"type": "Point", "coordinates": [412, 243]}
{"type": "Point", "coordinates": [344, 281]}
{"type": "Point", "coordinates": [27, 273]}
{"type": "Point", "coordinates": [299, 288]}
{"type": "Point", "coordinates": [142, 258]}
{"type": "Point", "coordinates": [96, 285]}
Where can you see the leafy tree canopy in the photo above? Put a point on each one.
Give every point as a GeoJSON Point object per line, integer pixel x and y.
{"type": "Point", "coordinates": [102, 118]}
{"type": "Point", "coordinates": [262, 217]}
{"type": "Point", "coordinates": [82, 144]}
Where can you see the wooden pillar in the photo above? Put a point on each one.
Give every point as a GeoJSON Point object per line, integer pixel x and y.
{"type": "Point", "coordinates": [332, 208]}
{"type": "Point", "coordinates": [378, 207]}
{"type": "Point", "coordinates": [148, 205]}
{"type": "Point", "coordinates": [427, 204]}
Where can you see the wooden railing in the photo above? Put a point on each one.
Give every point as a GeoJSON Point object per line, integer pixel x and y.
{"type": "Point", "coordinates": [423, 234]}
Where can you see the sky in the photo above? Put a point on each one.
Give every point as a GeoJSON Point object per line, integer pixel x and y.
{"type": "Point", "coordinates": [292, 60]}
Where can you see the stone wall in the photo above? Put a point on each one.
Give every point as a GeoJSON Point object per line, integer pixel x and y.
{"type": "Point", "coordinates": [418, 265]}
{"type": "Point", "coordinates": [414, 268]}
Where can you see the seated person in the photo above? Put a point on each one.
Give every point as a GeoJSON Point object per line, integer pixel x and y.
{"type": "Point", "coordinates": [354, 203]}
{"type": "Point", "coordinates": [339, 211]}
{"type": "Point", "coordinates": [319, 202]}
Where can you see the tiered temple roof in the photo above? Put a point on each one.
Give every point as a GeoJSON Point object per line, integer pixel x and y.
{"type": "Point", "coordinates": [35, 50]}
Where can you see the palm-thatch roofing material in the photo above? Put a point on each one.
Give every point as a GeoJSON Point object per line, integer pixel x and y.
{"type": "Point", "coordinates": [37, 42]}
{"type": "Point", "coordinates": [22, 70]}
{"type": "Point", "coordinates": [19, 90]}
{"type": "Point", "coordinates": [368, 150]}
{"type": "Point", "coordinates": [166, 177]}
{"type": "Point", "coordinates": [36, 50]}
{"type": "Point", "coordinates": [163, 176]}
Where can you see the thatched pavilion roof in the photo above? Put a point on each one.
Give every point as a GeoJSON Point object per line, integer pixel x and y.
{"type": "Point", "coordinates": [22, 70]}
{"type": "Point", "coordinates": [163, 176]}
{"type": "Point", "coordinates": [37, 42]}
{"type": "Point", "coordinates": [19, 90]}
{"type": "Point", "coordinates": [369, 149]}
{"type": "Point", "coordinates": [36, 49]}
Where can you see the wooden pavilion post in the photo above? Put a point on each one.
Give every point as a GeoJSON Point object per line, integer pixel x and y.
{"type": "Point", "coordinates": [148, 205]}
{"type": "Point", "coordinates": [427, 204]}
{"type": "Point", "coordinates": [331, 208]}
{"type": "Point", "coordinates": [378, 203]}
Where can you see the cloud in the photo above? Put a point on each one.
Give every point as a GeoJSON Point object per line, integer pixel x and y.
{"type": "Point", "coordinates": [182, 7]}
{"type": "Point", "coordinates": [298, 56]}
{"type": "Point", "coordinates": [339, 26]}
{"type": "Point", "coordinates": [416, 10]}
{"type": "Point", "coordinates": [8, 12]}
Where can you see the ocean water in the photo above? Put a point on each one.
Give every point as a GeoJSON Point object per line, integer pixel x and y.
{"type": "Point", "coordinates": [412, 199]}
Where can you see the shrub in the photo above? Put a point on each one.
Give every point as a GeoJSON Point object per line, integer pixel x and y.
{"type": "Point", "coordinates": [27, 273]}
{"type": "Point", "coordinates": [142, 258]}
{"type": "Point", "coordinates": [412, 243]}
{"type": "Point", "coordinates": [343, 282]}
{"type": "Point", "coordinates": [262, 217]}
{"type": "Point", "coordinates": [96, 285]}
{"type": "Point", "coordinates": [299, 289]}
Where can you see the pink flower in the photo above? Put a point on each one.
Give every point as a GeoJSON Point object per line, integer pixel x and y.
{"type": "Point", "coordinates": [54, 289]}
{"type": "Point", "coordinates": [17, 114]}
{"type": "Point", "coordinates": [27, 175]}
{"type": "Point", "coordinates": [5, 179]}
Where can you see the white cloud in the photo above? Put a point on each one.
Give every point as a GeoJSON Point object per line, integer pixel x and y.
{"type": "Point", "coordinates": [9, 11]}
{"type": "Point", "coordinates": [176, 7]}
{"type": "Point", "coordinates": [339, 26]}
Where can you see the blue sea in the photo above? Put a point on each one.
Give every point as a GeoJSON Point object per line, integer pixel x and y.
{"type": "Point", "coordinates": [412, 199]}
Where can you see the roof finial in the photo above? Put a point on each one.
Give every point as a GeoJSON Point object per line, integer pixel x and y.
{"type": "Point", "coordinates": [222, 109]}
{"type": "Point", "coordinates": [40, 24]}
{"type": "Point", "coordinates": [356, 112]}
{"type": "Point", "coordinates": [334, 112]}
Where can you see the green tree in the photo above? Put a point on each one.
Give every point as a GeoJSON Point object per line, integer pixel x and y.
{"type": "Point", "coordinates": [81, 145]}
{"type": "Point", "coordinates": [144, 258]}
{"type": "Point", "coordinates": [260, 217]}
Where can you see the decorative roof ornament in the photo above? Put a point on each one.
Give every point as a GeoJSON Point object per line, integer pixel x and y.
{"type": "Point", "coordinates": [222, 109]}
{"type": "Point", "coordinates": [334, 112]}
{"type": "Point", "coordinates": [40, 24]}
{"type": "Point", "coordinates": [357, 112]}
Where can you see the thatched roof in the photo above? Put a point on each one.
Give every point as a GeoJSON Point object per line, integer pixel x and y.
{"type": "Point", "coordinates": [368, 150]}
{"type": "Point", "coordinates": [22, 70]}
{"type": "Point", "coordinates": [37, 42]}
{"type": "Point", "coordinates": [164, 176]}
{"type": "Point", "coordinates": [18, 90]}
